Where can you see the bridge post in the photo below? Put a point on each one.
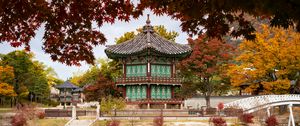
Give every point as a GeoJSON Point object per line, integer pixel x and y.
{"type": "Point", "coordinates": [291, 118]}
{"type": "Point", "coordinates": [74, 112]}
{"type": "Point", "coordinates": [268, 111]}
{"type": "Point", "coordinates": [98, 112]}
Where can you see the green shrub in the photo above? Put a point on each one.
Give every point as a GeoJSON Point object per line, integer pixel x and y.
{"type": "Point", "coordinates": [110, 103]}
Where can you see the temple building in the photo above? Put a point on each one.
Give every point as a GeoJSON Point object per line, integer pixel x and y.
{"type": "Point", "coordinates": [149, 71]}
{"type": "Point", "coordinates": [69, 94]}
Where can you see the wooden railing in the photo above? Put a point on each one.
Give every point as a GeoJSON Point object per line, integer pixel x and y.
{"type": "Point", "coordinates": [259, 102]}
{"type": "Point", "coordinates": [144, 101]}
{"type": "Point", "coordinates": [154, 79]}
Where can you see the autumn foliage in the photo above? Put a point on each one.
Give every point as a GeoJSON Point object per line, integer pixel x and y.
{"type": "Point", "coordinates": [271, 121]}
{"type": "Point", "coordinates": [6, 80]}
{"type": "Point", "coordinates": [221, 106]}
{"type": "Point", "coordinates": [113, 122]}
{"type": "Point", "coordinates": [246, 118]}
{"type": "Point", "coordinates": [159, 121]}
{"type": "Point", "coordinates": [218, 121]}
{"type": "Point", "coordinates": [70, 34]}
{"type": "Point", "coordinates": [269, 62]}
{"type": "Point", "coordinates": [24, 113]}
{"type": "Point", "coordinates": [19, 119]}
{"type": "Point", "coordinates": [208, 60]}
{"type": "Point", "coordinates": [40, 114]}
{"type": "Point", "coordinates": [101, 89]}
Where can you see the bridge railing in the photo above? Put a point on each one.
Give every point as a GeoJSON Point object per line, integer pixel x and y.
{"type": "Point", "coordinates": [252, 102]}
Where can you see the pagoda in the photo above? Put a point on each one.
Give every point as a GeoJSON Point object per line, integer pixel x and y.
{"type": "Point", "coordinates": [149, 71]}
{"type": "Point", "coordinates": [69, 94]}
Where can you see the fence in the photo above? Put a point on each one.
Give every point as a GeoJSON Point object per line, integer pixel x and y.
{"type": "Point", "coordinates": [146, 113]}
{"type": "Point", "coordinates": [173, 113]}
{"type": "Point", "coordinates": [68, 113]}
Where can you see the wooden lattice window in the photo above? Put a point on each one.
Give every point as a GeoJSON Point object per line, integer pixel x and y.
{"type": "Point", "coordinates": [160, 92]}
{"type": "Point", "coordinates": [161, 70]}
{"type": "Point", "coordinates": [136, 70]}
{"type": "Point", "coordinates": [135, 92]}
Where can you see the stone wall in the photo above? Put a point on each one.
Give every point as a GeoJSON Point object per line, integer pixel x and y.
{"type": "Point", "coordinates": [197, 102]}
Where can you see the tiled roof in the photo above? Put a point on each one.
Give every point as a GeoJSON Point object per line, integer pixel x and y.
{"type": "Point", "coordinates": [78, 90]}
{"type": "Point", "coordinates": [67, 84]}
{"type": "Point", "coordinates": [148, 39]}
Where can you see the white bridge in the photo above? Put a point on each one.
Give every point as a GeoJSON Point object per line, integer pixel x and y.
{"type": "Point", "coordinates": [252, 104]}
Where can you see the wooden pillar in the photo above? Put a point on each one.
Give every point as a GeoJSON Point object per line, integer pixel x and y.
{"type": "Point", "coordinates": [172, 92]}
{"type": "Point", "coordinates": [172, 70]}
{"type": "Point", "coordinates": [124, 70]}
{"type": "Point", "coordinates": [148, 92]}
{"type": "Point", "coordinates": [65, 96]}
{"type": "Point", "coordinates": [124, 91]}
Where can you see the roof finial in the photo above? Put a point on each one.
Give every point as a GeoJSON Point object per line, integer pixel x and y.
{"type": "Point", "coordinates": [148, 20]}
{"type": "Point", "coordinates": [148, 27]}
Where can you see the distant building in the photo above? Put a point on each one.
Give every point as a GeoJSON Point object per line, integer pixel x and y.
{"type": "Point", "coordinates": [149, 73]}
{"type": "Point", "coordinates": [69, 94]}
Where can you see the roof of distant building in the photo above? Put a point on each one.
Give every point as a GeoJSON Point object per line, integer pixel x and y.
{"type": "Point", "coordinates": [67, 84]}
{"type": "Point", "coordinates": [78, 90]}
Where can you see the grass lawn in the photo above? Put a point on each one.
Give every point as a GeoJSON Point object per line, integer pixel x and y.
{"type": "Point", "coordinates": [5, 110]}
{"type": "Point", "coordinates": [99, 123]}
{"type": "Point", "coordinates": [140, 122]}
{"type": "Point", "coordinates": [47, 122]}
{"type": "Point", "coordinates": [149, 122]}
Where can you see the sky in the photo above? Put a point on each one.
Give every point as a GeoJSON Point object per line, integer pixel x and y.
{"type": "Point", "coordinates": [111, 31]}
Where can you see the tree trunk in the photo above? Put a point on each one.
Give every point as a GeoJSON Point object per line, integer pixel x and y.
{"type": "Point", "coordinates": [208, 91]}
{"type": "Point", "coordinates": [207, 99]}
{"type": "Point", "coordinates": [11, 102]}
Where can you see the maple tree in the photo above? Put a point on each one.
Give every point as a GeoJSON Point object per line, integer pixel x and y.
{"type": "Point", "coordinates": [6, 74]}
{"type": "Point", "coordinates": [269, 63]}
{"type": "Point", "coordinates": [101, 89]}
{"type": "Point", "coordinates": [99, 82]}
{"type": "Point", "coordinates": [204, 65]}
{"type": "Point", "coordinates": [6, 80]}
{"type": "Point", "coordinates": [70, 36]}
{"type": "Point", "coordinates": [7, 90]}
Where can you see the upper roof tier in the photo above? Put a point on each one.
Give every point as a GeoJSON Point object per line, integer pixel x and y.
{"type": "Point", "coordinates": [145, 40]}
